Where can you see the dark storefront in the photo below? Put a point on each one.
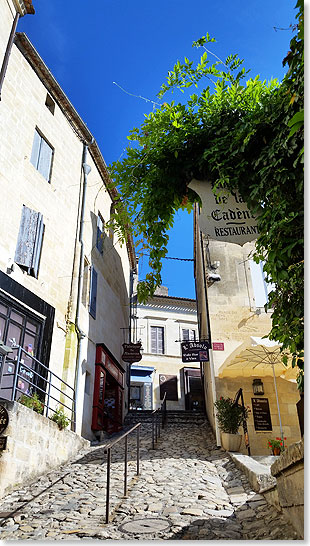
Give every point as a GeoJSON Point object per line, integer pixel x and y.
{"type": "Point", "coordinates": [108, 393]}
{"type": "Point", "coordinates": [193, 390]}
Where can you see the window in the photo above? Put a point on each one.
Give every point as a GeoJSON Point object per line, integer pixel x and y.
{"type": "Point", "coordinates": [29, 242]}
{"type": "Point", "coordinates": [50, 104]}
{"type": "Point", "coordinates": [188, 335]}
{"type": "Point", "coordinates": [93, 292]}
{"type": "Point", "coordinates": [85, 289]}
{"type": "Point", "coordinates": [260, 287]}
{"type": "Point", "coordinates": [157, 340]}
{"type": "Point", "coordinates": [42, 155]}
{"type": "Point", "coordinates": [100, 227]}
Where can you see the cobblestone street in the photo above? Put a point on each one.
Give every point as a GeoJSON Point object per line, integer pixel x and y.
{"type": "Point", "coordinates": [188, 489]}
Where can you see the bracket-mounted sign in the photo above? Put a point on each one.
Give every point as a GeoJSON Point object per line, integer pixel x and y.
{"type": "Point", "coordinates": [195, 351]}
{"type": "Point", "coordinates": [132, 352]}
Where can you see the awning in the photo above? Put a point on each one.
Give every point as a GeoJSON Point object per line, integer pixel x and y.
{"type": "Point", "coordinates": [257, 356]}
{"type": "Point", "coordinates": [141, 374]}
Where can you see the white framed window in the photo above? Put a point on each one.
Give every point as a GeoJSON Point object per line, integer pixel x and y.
{"type": "Point", "coordinates": [157, 340]}
{"type": "Point", "coordinates": [188, 334]}
{"type": "Point", "coordinates": [42, 155]}
{"type": "Point", "coordinates": [261, 288]}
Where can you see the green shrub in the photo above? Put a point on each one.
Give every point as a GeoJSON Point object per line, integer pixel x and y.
{"type": "Point", "coordinates": [32, 402]}
{"type": "Point", "coordinates": [60, 418]}
{"type": "Point", "coordinates": [229, 416]}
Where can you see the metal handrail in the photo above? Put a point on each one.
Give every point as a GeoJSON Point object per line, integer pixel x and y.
{"type": "Point", "coordinates": [49, 381]}
{"type": "Point", "coordinates": [108, 450]}
{"type": "Point", "coordinates": [159, 417]}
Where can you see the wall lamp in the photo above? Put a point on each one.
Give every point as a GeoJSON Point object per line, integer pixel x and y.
{"type": "Point", "coordinates": [258, 386]}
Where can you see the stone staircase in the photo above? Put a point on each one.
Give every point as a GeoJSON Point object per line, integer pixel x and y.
{"type": "Point", "coordinates": [177, 418]}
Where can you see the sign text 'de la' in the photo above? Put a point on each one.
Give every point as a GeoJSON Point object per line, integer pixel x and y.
{"type": "Point", "coordinates": [225, 217]}
{"type": "Point", "coordinates": [195, 351]}
{"type": "Point", "coordinates": [131, 352]}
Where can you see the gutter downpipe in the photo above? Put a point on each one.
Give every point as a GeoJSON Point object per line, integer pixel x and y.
{"type": "Point", "coordinates": [80, 334]}
{"type": "Point", "coordinates": [8, 51]}
{"type": "Point", "coordinates": [217, 431]}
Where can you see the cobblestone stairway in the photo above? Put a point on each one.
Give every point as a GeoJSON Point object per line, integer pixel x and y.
{"type": "Point", "coordinates": [188, 490]}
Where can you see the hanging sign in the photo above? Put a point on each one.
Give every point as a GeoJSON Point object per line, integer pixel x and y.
{"type": "Point", "coordinates": [132, 352]}
{"type": "Point", "coordinates": [226, 217]}
{"type": "Point", "coordinates": [195, 351]}
{"type": "Point", "coordinates": [4, 419]}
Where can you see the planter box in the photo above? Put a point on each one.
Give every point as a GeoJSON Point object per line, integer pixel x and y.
{"type": "Point", "coordinates": [231, 442]}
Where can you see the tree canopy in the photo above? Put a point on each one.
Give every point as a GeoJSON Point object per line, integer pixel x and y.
{"type": "Point", "coordinates": [238, 133]}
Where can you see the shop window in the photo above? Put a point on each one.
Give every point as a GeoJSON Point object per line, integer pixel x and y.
{"type": "Point", "coordinates": [29, 241]}
{"type": "Point", "coordinates": [188, 335]}
{"type": "Point", "coordinates": [93, 293]}
{"type": "Point", "coordinates": [42, 155]}
{"type": "Point", "coordinates": [157, 340]}
{"type": "Point", "coordinates": [50, 104]}
{"type": "Point", "coordinates": [100, 233]}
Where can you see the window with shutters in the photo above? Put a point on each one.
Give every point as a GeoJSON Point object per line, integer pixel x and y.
{"type": "Point", "coordinates": [100, 227]}
{"type": "Point", "coordinates": [42, 155]}
{"type": "Point", "coordinates": [188, 335]}
{"type": "Point", "coordinates": [157, 340]}
{"type": "Point", "coordinates": [93, 293]}
{"type": "Point", "coordinates": [29, 242]}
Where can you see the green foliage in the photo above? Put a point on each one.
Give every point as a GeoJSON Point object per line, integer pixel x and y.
{"type": "Point", "coordinates": [32, 402]}
{"type": "Point", "coordinates": [245, 135]}
{"type": "Point", "coordinates": [229, 417]}
{"type": "Point", "coordinates": [60, 418]}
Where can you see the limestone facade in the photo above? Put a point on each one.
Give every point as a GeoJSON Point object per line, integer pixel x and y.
{"type": "Point", "coordinates": [170, 319]}
{"type": "Point", "coordinates": [231, 312]}
{"type": "Point", "coordinates": [43, 145]}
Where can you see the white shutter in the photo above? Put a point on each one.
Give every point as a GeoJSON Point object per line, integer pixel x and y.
{"type": "Point", "coordinates": [192, 335]}
{"type": "Point", "coordinates": [29, 242]}
{"type": "Point", "coordinates": [160, 340]}
{"type": "Point", "coordinates": [35, 149]}
{"type": "Point", "coordinates": [153, 339]}
{"type": "Point", "coordinates": [185, 334]}
{"type": "Point", "coordinates": [45, 159]}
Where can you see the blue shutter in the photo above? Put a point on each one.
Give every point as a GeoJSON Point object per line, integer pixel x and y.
{"type": "Point", "coordinates": [35, 149]}
{"type": "Point", "coordinates": [29, 242]}
{"type": "Point", "coordinates": [45, 159]}
{"type": "Point", "coordinates": [93, 293]}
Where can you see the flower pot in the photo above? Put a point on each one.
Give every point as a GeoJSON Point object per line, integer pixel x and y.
{"type": "Point", "coordinates": [276, 450]}
{"type": "Point", "coordinates": [231, 442]}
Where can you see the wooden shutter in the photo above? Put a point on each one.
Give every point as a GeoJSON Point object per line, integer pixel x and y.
{"type": "Point", "coordinates": [45, 159]}
{"type": "Point", "coordinates": [29, 242]}
{"type": "Point", "coordinates": [93, 293]}
{"type": "Point", "coordinates": [168, 384]}
{"type": "Point", "coordinates": [153, 339]}
{"type": "Point", "coordinates": [185, 334]}
{"type": "Point", "coordinates": [35, 149]}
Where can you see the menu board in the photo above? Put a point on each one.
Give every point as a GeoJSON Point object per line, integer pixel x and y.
{"type": "Point", "coordinates": [261, 414]}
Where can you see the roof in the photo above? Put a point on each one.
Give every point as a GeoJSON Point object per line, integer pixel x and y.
{"type": "Point", "coordinates": [80, 128]}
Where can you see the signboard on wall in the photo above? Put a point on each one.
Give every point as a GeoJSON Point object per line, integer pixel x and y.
{"type": "Point", "coordinates": [218, 346]}
{"type": "Point", "coordinates": [168, 384]}
{"type": "Point", "coordinates": [225, 217]}
{"type": "Point", "coordinates": [195, 351]}
{"type": "Point", "coordinates": [261, 414]}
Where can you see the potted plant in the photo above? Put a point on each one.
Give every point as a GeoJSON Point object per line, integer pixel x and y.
{"type": "Point", "coordinates": [276, 445]}
{"type": "Point", "coordinates": [230, 417]}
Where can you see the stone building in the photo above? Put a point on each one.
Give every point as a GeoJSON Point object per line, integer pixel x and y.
{"type": "Point", "coordinates": [161, 325]}
{"type": "Point", "coordinates": [64, 278]}
{"type": "Point", "coordinates": [231, 293]}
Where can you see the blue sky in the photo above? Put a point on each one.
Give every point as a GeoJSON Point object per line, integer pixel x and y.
{"type": "Point", "coordinates": [88, 45]}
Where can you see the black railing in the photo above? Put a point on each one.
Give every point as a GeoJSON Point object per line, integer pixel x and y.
{"type": "Point", "coordinates": [37, 378]}
{"type": "Point", "coordinates": [108, 450]}
{"type": "Point", "coordinates": [159, 418]}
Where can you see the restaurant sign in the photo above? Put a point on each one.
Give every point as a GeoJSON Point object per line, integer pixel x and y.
{"type": "Point", "coordinates": [225, 217]}
{"type": "Point", "coordinates": [195, 351]}
{"type": "Point", "coordinates": [132, 352]}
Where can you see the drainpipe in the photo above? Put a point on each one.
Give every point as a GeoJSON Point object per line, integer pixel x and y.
{"type": "Point", "coordinates": [8, 51]}
{"type": "Point", "coordinates": [80, 334]}
{"type": "Point", "coordinates": [217, 431]}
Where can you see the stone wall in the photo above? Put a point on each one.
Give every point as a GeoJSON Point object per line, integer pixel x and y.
{"type": "Point", "coordinates": [289, 473]}
{"type": "Point", "coordinates": [35, 445]}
